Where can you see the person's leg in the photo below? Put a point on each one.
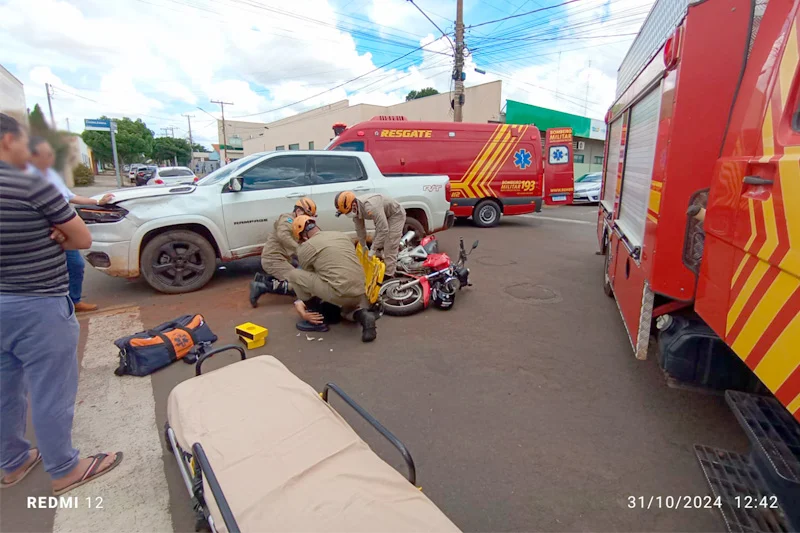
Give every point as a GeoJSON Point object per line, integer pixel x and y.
{"type": "Point", "coordinates": [392, 244]}
{"type": "Point", "coordinates": [75, 268]}
{"type": "Point", "coordinates": [357, 310]}
{"type": "Point", "coordinates": [50, 361]}
{"type": "Point", "coordinates": [277, 270]}
{"type": "Point", "coordinates": [14, 448]}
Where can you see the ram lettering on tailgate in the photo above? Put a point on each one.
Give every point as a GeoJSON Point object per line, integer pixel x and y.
{"type": "Point", "coordinates": [432, 188]}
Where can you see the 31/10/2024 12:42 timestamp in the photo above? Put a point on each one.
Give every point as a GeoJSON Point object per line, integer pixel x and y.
{"type": "Point", "coordinates": [701, 502]}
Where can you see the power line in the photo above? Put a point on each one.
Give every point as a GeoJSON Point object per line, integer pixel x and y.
{"type": "Point", "coordinates": [337, 86]}
{"type": "Point", "coordinates": [432, 22]}
{"type": "Point", "coordinates": [523, 14]}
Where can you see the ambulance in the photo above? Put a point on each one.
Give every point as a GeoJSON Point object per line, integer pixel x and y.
{"type": "Point", "coordinates": [494, 169]}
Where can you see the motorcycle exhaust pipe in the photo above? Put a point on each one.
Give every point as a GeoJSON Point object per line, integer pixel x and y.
{"type": "Point", "coordinates": [407, 237]}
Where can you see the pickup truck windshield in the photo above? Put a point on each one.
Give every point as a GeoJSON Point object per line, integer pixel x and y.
{"type": "Point", "coordinates": [223, 172]}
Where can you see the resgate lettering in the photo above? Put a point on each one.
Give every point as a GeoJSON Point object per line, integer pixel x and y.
{"type": "Point", "coordinates": [425, 134]}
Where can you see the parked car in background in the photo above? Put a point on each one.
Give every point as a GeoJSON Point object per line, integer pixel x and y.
{"type": "Point", "coordinates": [133, 171]}
{"type": "Point", "coordinates": [144, 174]}
{"type": "Point", "coordinates": [172, 176]}
{"type": "Point", "coordinates": [587, 188]}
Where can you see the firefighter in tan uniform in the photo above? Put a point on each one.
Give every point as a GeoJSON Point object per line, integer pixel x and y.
{"type": "Point", "coordinates": [388, 216]}
{"type": "Point", "coordinates": [329, 270]}
{"type": "Point", "coordinates": [277, 253]}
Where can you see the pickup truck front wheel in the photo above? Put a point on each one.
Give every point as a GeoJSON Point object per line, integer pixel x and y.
{"type": "Point", "coordinates": [178, 261]}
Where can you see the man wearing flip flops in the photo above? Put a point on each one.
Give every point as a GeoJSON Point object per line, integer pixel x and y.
{"type": "Point", "coordinates": [38, 329]}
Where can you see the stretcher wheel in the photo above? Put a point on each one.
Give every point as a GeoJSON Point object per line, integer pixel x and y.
{"type": "Point", "coordinates": [166, 438]}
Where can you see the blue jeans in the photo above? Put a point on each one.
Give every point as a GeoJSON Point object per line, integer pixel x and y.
{"type": "Point", "coordinates": [75, 266]}
{"type": "Point", "coordinates": [38, 355]}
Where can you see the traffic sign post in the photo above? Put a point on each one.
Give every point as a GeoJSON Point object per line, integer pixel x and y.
{"type": "Point", "coordinates": [104, 124]}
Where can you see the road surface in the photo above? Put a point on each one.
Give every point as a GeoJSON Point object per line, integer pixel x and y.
{"type": "Point", "coordinates": [523, 406]}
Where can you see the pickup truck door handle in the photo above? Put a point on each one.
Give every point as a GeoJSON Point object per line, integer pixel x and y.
{"type": "Point", "coordinates": [361, 189]}
{"type": "Point", "coordinates": [295, 195]}
{"type": "Point", "coordinates": [755, 180]}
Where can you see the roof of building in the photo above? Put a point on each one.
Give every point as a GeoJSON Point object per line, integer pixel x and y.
{"type": "Point", "coordinates": [543, 118]}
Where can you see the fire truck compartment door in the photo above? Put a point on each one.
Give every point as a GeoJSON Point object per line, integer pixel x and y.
{"type": "Point", "coordinates": [612, 165]}
{"type": "Point", "coordinates": [636, 176]}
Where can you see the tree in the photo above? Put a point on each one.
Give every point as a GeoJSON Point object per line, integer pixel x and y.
{"type": "Point", "coordinates": [199, 148]}
{"type": "Point", "coordinates": [134, 141]}
{"type": "Point", "coordinates": [422, 93]}
{"type": "Point", "coordinates": [168, 148]}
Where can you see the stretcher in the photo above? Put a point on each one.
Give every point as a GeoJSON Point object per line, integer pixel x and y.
{"type": "Point", "coordinates": [374, 271]}
{"type": "Point", "coordinates": [259, 450]}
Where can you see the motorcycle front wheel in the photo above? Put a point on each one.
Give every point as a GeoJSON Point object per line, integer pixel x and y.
{"type": "Point", "coordinates": [401, 302]}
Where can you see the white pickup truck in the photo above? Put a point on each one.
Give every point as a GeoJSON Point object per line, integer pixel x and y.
{"type": "Point", "coordinates": [173, 235]}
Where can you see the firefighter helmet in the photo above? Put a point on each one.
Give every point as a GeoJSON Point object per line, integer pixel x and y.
{"type": "Point", "coordinates": [301, 224]}
{"type": "Point", "coordinates": [344, 202]}
{"type": "Point", "coordinates": [307, 205]}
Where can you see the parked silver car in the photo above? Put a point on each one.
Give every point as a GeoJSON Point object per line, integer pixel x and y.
{"type": "Point", "coordinates": [587, 188]}
{"type": "Point", "coordinates": [172, 176]}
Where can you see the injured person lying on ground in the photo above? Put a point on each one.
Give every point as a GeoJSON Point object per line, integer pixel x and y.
{"type": "Point", "coordinates": [329, 282]}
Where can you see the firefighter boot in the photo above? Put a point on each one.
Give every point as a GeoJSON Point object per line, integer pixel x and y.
{"type": "Point", "coordinates": [257, 288]}
{"type": "Point", "coordinates": [367, 320]}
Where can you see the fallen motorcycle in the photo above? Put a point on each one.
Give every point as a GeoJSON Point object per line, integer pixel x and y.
{"type": "Point", "coordinates": [425, 276]}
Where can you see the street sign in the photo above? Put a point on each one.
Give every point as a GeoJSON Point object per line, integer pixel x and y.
{"type": "Point", "coordinates": [97, 124]}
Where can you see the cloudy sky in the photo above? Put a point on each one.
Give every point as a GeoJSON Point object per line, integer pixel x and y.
{"type": "Point", "coordinates": [159, 59]}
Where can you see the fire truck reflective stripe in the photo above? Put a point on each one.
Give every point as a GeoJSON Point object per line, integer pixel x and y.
{"type": "Point", "coordinates": [484, 159]}
{"type": "Point", "coordinates": [794, 407]}
{"type": "Point", "coordinates": [749, 262]}
{"type": "Point", "coordinates": [463, 183]}
{"type": "Point", "coordinates": [652, 218]}
{"type": "Point", "coordinates": [771, 294]}
{"type": "Point", "coordinates": [773, 331]}
{"type": "Point", "coordinates": [654, 204]}
{"type": "Point", "coordinates": [778, 366]}
{"type": "Point", "coordinates": [747, 291]}
{"type": "Point", "coordinates": [521, 131]}
{"type": "Point", "coordinates": [488, 169]}
{"type": "Point", "coordinates": [771, 230]}
{"type": "Point", "coordinates": [780, 219]}
{"type": "Point", "coordinates": [790, 188]}
{"type": "Point", "coordinates": [767, 138]}
{"type": "Point", "coordinates": [747, 246]}
{"type": "Point", "coordinates": [789, 385]}
{"type": "Point", "coordinates": [501, 159]}
{"type": "Point", "coordinates": [788, 65]}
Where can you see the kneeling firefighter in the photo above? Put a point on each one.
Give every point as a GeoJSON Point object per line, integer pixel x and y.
{"type": "Point", "coordinates": [330, 271]}
{"type": "Point", "coordinates": [278, 252]}
{"type": "Point", "coordinates": [388, 216]}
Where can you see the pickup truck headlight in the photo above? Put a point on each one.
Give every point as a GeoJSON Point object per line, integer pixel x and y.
{"type": "Point", "coordinates": [101, 214]}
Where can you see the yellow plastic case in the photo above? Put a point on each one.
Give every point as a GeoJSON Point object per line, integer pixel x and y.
{"type": "Point", "coordinates": [251, 331]}
{"type": "Point", "coordinates": [250, 344]}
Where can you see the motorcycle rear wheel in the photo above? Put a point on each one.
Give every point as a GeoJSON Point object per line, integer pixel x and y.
{"type": "Point", "coordinates": [405, 302]}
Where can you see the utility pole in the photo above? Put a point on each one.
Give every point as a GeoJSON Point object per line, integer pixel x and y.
{"type": "Point", "coordinates": [69, 130]}
{"type": "Point", "coordinates": [458, 71]}
{"type": "Point", "coordinates": [224, 133]}
{"type": "Point", "coordinates": [191, 142]}
{"type": "Point", "coordinates": [586, 98]}
{"type": "Point", "coordinates": [48, 89]}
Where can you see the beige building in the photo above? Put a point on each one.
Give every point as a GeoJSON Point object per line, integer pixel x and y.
{"type": "Point", "coordinates": [314, 129]}
{"type": "Point", "coordinates": [12, 96]}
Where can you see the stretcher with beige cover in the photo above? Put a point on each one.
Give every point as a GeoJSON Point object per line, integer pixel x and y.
{"type": "Point", "coordinates": [260, 450]}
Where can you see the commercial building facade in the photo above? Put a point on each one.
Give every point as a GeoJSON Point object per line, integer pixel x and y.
{"type": "Point", "coordinates": [588, 134]}
{"type": "Point", "coordinates": [313, 129]}
{"type": "Point", "coordinates": [12, 96]}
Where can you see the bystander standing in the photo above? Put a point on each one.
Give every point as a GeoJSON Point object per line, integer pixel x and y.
{"type": "Point", "coordinates": [38, 329]}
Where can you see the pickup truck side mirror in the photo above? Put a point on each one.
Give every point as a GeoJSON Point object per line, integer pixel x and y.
{"type": "Point", "coordinates": [235, 185]}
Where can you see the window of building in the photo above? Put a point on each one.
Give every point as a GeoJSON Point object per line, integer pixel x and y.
{"type": "Point", "coordinates": [598, 160]}
{"type": "Point", "coordinates": [281, 147]}
{"type": "Point", "coordinates": [338, 169]}
{"type": "Point", "coordinates": [578, 158]}
{"type": "Point", "coordinates": [294, 146]}
{"type": "Point", "coordinates": [276, 173]}
{"type": "Point", "coordinates": [310, 145]}
{"type": "Point", "coordinates": [354, 146]}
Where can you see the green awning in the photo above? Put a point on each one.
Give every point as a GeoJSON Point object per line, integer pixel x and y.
{"type": "Point", "coordinates": [543, 118]}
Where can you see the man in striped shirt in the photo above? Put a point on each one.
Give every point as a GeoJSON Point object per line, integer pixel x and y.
{"type": "Point", "coordinates": [38, 329]}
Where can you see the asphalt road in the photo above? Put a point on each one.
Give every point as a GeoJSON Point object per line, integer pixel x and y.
{"type": "Point", "coordinates": [523, 406]}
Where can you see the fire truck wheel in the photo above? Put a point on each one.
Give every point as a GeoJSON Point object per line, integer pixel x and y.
{"type": "Point", "coordinates": [486, 214]}
{"type": "Point", "coordinates": [606, 281]}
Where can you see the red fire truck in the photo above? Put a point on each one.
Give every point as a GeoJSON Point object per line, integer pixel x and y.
{"type": "Point", "coordinates": [494, 169]}
{"type": "Point", "coordinates": [700, 226]}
